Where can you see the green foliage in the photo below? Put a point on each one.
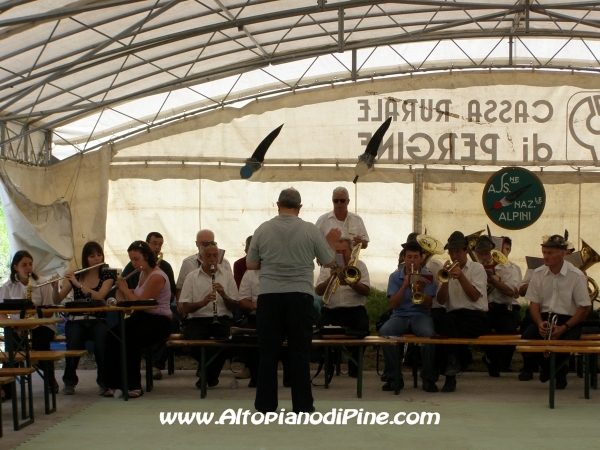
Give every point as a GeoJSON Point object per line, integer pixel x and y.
{"type": "Point", "coordinates": [377, 304]}
{"type": "Point", "coordinates": [4, 249]}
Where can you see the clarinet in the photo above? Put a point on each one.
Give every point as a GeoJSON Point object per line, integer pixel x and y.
{"type": "Point", "coordinates": [212, 276]}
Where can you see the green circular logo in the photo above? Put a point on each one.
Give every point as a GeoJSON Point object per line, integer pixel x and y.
{"type": "Point", "coordinates": [514, 198]}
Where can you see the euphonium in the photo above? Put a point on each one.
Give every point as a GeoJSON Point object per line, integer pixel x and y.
{"type": "Point", "coordinates": [417, 296]}
{"type": "Point", "coordinates": [443, 275]}
{"type": "Point", "coordinates": [349, 274]}
{"type": "Point", "coordinates": [497, 258]}
{"type": "Point", "coordinates": [431, 246]}
{"type": "Point", "coordinates": [589, 257]}
{"type": "Point", "coordinates": [471, 241]}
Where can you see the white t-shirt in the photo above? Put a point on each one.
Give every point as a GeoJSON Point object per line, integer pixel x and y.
{"type": "Point", "coordinates": [39, 296]}
{"type": "Point", "coordinates": [508, 277]}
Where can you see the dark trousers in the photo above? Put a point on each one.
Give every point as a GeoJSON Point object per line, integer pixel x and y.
{"type": "Point", "coordinates": [532, 332]}
{"type": "Point", "coordinates": [529, 361]}
{"type": "Point", "coordinates": [355, 318]}
{"type": "Point", "coordinates": [141, 329]}
{"type": "Point", "coordinates": [203, 328]}
{"type": "Point", "coordinates": [77, 333]}
{"type": "Point", "coordinates": [252, 356]}
{"type": "Point", "coordinates": [437, 314]}
{"type": "Point", "coordinates": [502, 321]}
{"type": "Point", "coordinates": [160, 353]}
{"type": "Point", "coordinates": [461, 323]}
{"type": "Point", "coordinates": [279, 315]}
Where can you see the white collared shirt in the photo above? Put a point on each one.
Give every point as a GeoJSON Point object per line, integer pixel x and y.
{"type": "Point", "coordinates": [352, 226]}
{"type": "Point", "coordinates": [508, 276]}
{"type": "Point", "coordinates": [198, 285]}
{"type": "Point", "coordinates": [345, 296]}
{"type": "Point", "coordinates": [249, 286]}
{"type": "Point", "coordinates": [562, 293]}
{"type": "Point", "coordinates": [39, 296]}
{"type": "Point", "coordinates": [518, 276]}
{"type": "Point", "coordinates": [458, 299]}
{"type": "Point", "coordinates": [192, 263]}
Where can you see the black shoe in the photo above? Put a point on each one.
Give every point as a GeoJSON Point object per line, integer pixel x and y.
{"type": "Point", "coordinates": [450, 384]}
{"type": "Point", "coordinates": [311, 410]}
{"type": "Point", "coordinates": [492, 371]}
{"type": "Point", "coordinates": [252, 384]}
{"type": "Point", "coordinates": [383, 378]}
{"type": "Point", "coordinates": [389, 385]}
{"type": "Point", "coordinates": [561, 384]}
{"type": "Point", "coordinates": [544, 376]}
{"type": "Point", "coordinates": [526, 375]}
{"type": "Point", "coordinates": [428, 386]}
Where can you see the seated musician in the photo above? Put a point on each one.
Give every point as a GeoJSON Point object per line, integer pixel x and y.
{"type": "Point", "coordinates": [94, 284]}
{"type": "Point", "coordinates": [208, 304]}
{"type": "Point", "coordinates": [465, 297]}
{"type": "Point", "coordinates": [160, 354]}
{"type": "Point", "coordinates": [501, 290]}
{"type": "Point", "coordinates": [346, 307]}
{"type": "Point", "coordinates": [556, 288]}
{"type": "Point", "coordinates": [22, 285]}
{"type": "Point", "coordinates": [409, 317]}
{"type": "Point", "coordinates": [142, 328]}
{"type": "Point", "coordinates": [193, 262]}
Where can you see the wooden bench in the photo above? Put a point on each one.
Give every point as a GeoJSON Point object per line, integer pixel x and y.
{"type": "Point", "coordinates": [552, 349]}
{"type": "Point", "coordinates": [26, 395]}
{"type": "Point", "coordinates": [327, 343]}
{"type": "Point", "coordinates": [3, 381]}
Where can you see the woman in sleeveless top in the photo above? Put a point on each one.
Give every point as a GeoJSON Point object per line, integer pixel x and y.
{"type": "Point", "coordinates": [95, 284]}
{"type": "Point", "coordinates": [142, 328]}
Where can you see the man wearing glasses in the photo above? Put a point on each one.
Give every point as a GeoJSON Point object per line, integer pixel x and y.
{"type": "Point", "coordinates": [351, 224]}
{"type": "Point", "coordinates": [203, 238]}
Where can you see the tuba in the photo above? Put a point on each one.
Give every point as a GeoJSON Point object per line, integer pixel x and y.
{"type": "Point", "coordinates": [589, 257]}
{"type": "Point", "coordinates": [431, 246]}
{"type": "Point", "coordinates": [471, 241]}
{"type": "Point", "coordinates": [349, 274]}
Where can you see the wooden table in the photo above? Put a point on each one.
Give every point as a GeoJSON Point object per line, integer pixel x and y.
{"type": "Point", "coordinates": [13, 347]}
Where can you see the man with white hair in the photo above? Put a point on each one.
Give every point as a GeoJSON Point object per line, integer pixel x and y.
{"type": "Point", "coordinates": [193, 262]}
{"type": "Point", "coordinates": [351, 224]}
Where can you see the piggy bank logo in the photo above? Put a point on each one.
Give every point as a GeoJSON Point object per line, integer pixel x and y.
{"type": "Point", "coordinates": [584, 127]}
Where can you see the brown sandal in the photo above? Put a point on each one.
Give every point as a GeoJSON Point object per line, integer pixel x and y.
{"type": "Point", "coordinates": [109, 393]}
{"type": "Point", "coordinates": [135, 393]}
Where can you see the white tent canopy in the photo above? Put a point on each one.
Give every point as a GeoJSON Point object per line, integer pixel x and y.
{"type": "Point", "coordinates": [153, 106]}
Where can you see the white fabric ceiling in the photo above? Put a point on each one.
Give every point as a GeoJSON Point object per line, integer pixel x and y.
{"type": "Point", "coordinates": [93, 71]}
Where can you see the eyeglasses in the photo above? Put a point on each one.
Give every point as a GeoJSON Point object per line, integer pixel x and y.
{"type": "Point", "coordinates": [339, 200]}
{"type": "Point", "coordinates": [207, 243]}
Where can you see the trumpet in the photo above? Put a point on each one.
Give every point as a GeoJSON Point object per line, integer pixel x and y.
{"type": "Point", "coordinates": [349, 274]}
{"type": "Point", "coordinates": [74, 273]}
{"type": "Point", "coordinates": [552, 318]}
{"type": "Point", "coordinates": [443, 275]}
{"type": "Point", "coordinates": [417, 296]}
{"type": "Point", "coordinates": [215, 313]}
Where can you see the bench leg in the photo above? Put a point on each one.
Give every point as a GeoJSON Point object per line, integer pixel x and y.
{"type": "Point", "coordinates": [397, 348]}
{"type": "Point", "coordinates": [552, 378]}
{"type": "Point", "coordinates": [124, 383]}
{"type": "Point", "coordinates": [27, 419]}
{"type": "Point", "coordinates": [359, 379]}
{"type": "Point", "coordinates": [203, 381]}
{"type": "Point", "coordinates": [171, 360]}
{"type": "Point", "coordinates": [326, 358]}
{"type": "Point", "coordinates": [586, 375]}
{"type": "Point", "coordinates": [48, 370]}
{"type": "Point", "coordinates": [414, 366]}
